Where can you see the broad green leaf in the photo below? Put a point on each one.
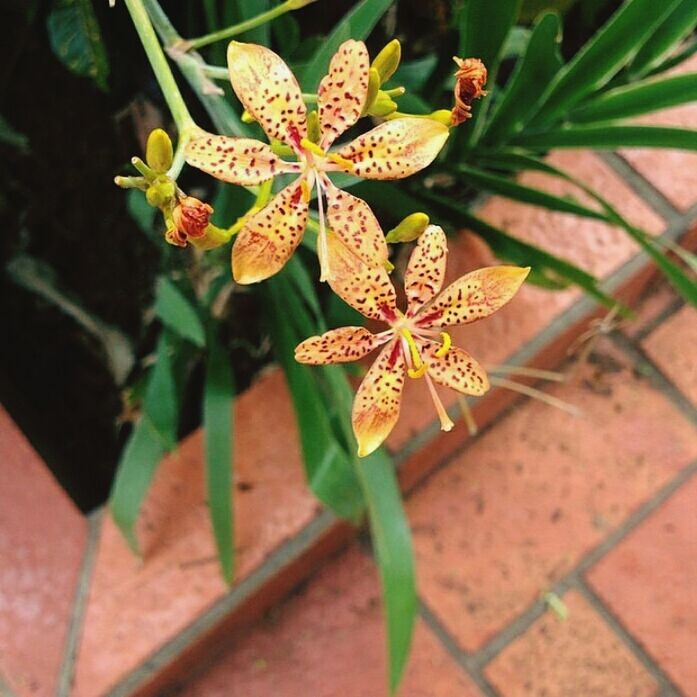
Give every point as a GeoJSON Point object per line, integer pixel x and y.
{"type": "Point", "coordinates": [153, 435]}
{"type": "Point", "coordinates": [356, 24]}
{"type": "Point", "coordinates": [602, 56]}
{"type": "Point", "coordinates": [516, 43]}
{"type": "Point", "coordinates": [141, 212]}
{"type": "Point", "coordinates": [329, 469]}
{"type": "Point", "coordinates": [286, 33]}
{"type": "Point", "coordinates": [529, 80]}
{"type": "Point", "coordinates": [10, 136]}
{"type": "Point", "coordinates": [218, 394]}
{"type": "Point", "coordinates": [177, 313]}
{"type": "Point", "coordinates": [75, 38]}
{"type": "Point", "coordinates": [533, 8]}
{"type": "Point", "coordinates": [246, 9]}
{"type": "Point", "coordinates": [679, 24]}
{"type": "Point", "coordinates": [638, 98]}
{"type": "Point", "coordinates": [303, 283]}
{"type": "Point", "coordinates": [610, 137]}
{"type": "Point", "coordinates": [414, 74]}
{"type": "Point", "coordinates": [394, 556]}
{"type": "Point", "coordinates": [526, 194]}
{"type": "Point", "coordinates": [685, 52]}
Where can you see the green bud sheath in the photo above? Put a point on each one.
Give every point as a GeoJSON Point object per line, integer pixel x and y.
{"type": "Point", "coordinates": [444, 116]}
{"type": "Point", "coordinates": [382, 106]}
{"type": "Point", "coordinates": [373, 89]}
{"type": "Point", "coordinates": [387, 61]}
{"type": "Point", "coordinates": [409, 229]}
{"type": "Point", "coordinates": [158, 151]}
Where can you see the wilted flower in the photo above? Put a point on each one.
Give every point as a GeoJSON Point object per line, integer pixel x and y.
{"type": "Point", "coordinates": [191, 218]}
{"type": "Point", "coordinates": [470, 79]}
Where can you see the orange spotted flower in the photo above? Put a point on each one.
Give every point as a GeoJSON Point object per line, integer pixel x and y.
{"type": "Point", "coordinates": [416, 344]}
{"type": "Point", "coordinates": [270, 93]}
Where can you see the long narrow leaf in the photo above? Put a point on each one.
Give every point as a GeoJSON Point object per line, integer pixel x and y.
{"type": "Point", "coordinates": [356, 24]}
{"type": "Point", "coordinates": [603, 56]}
{"type": "Point", "coordinates": [395, 557]}
{"type": "Point", "coordinates": [639, 98]}
{"type": "Point", "coordinates": [218, 391]}
{"type": "Point", "coordinates": [611, 137]}
{"type": "Point", "coordinates": [679, 24]}
{"type": "Point", "coordinates": [177, 313]}
{"type": "Point", "coordinates": [532, 74]}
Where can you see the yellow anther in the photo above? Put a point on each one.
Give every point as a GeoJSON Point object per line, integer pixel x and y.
{"type": "Point", "coordinates": [305, 189]}
{"type": "Point", "coordinates": [341, 161]}
{"type": "Point", "coordinates": [312, 147]}
{"type": "Point", "coordinates": [447, 343]}
{"type": "Point", "coordinates": [413, 349]}
{"type": "Point", "coordinates": [417, 372]}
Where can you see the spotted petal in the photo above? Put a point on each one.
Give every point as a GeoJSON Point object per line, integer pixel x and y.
{"type": "Point", "coordinates": [242, 161]}
{"type": "Point", "coordinates": [367, 289]}
{"type": "Point", "coordinates": [456, 369]}
{"type": "Point", "coordinates": [342, 345]}
{"type": "Point", "coordinates": [270, 237]}
{"type": "Point", "coordinates": [343, 91]}
{"type": "Point", "coordinates": [396, 149]}
{"type": "Point", "coordinates": [426, 268]}
{"type": "Point", "coordinates": [474, 296]}
{"type": "Point", "coordinates": [353, 221]}
{"type": "Point", "coordinates": [376, 407]}
{"type": "Point", "coordinates": [268, 90]}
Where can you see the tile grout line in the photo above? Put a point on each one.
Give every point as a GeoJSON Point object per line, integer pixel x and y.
{"type": "Point", "coordinates": [77, 617]}
{"type": "Point", "coordinates": [665, 314]}
{"type": "Point", "coordinates": [474, 662]}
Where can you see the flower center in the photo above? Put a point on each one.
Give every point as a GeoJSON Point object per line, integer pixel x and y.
{"type": "Point", "coordinates": [326, 159]}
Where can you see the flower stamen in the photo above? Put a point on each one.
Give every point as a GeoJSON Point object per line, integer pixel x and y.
{"type": "Point", "coordinates": [447, 343]}
{"type": "Point", "coordinates": [312, 147]}
{"type": "Point", "coordinates": [341, 161]}
{"type": "Point", "coordinates": [446, 423]}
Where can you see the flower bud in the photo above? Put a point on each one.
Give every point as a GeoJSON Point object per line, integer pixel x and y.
{"type": "Point", "coordinates": [470, 79]}
{"type": "Point", "coordinates": [382, 106]}
{"type": "Point", "coordinates": [160, 192]}
{"type": "Point", "coordinates": [314, 133]}
{"type": "Point", "coordinates": [409, 229]}
{"type": "Point", "coordinates": [387, 61]}
{"type": "Point", "coordinates": [191, 216]}
{"type": "Point", "coordinates": [373, 89]}
{"type": "Point", "coordinates": [158, 151]}
{"type": "Point", "coordinates": [444, 116]}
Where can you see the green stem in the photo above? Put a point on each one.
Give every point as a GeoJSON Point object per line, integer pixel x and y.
{"type": "Point", "coordinates": [242, 27]}
{"type": "Point", "coordinates": [160, 66]}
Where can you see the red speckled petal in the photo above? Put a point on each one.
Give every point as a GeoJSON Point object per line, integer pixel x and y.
{"type": "Point", "coordinates": [396, 149]}
{"type": "Point", "coordinates": [351, 219]}
{"type": "Point", "coordinates": [377, 403]}
{"type": "Point", "coordinates": [343, 91]}
{"type": "Point", "coordinates": [268, 90]}
{"type": "Point", "coordinates": [368, 289]}
{"type": "Point", "coordinates": [270, 237]}
{"type": "Point", "coordinates": [474, 296]}
{"type": "Point", "coordinates": [457, 369]}
{"type": "Point", "coordinates": [241, 161]}
{"type": "Point", "coordinates": [426, 268]}
{"type": "Point", "coordinates": [342, 345]}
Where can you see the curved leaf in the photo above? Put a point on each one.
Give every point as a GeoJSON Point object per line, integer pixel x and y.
{"type": "Point", "coordinates": [177, 313]}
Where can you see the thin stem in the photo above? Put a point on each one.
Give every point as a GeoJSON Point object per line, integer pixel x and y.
{"type": "Point", "coordinates": [242, 27]}
{"type": "Point", "coordinates": [535, 394]}
{"type": "Point", "coordinates": [527, 372]}
{"type": "Point", "coordinates": [160, 66]}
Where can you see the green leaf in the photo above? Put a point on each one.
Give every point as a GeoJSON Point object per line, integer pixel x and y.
{"type": "Point", "coordinates": [329, 469]}
{"type": "Point", "coordinates": [75, 38]}
{"type": "Point", "coordinates": [530, 78]}
{"type": "Point", "coordinates": [638, 98]}
{"type": "Point", "coordinates": [611, 137]}
{"type": "Point", "coordinates": [356, 24]}
{"type": "Point", "coordinates": [246, 9]}
{"type": "Point", "coordinates": [687, 51]}
{"type": "Point", "coordinates": [153, 435]}
{"type": "Point", "coordinates": [9, 136]}
{"type": "Point", "coordinates": [394, 555]}
{"type": "Point", "coordinates": [679, 24]}
{"type": "Point", "coordinates": [218, 392]}
{"type": "Point", "coordinates": [177, 313]}
{"type": "Point", "coordinates": [602, 56]}
{"type": "Point", "coordinates": [526, 194]}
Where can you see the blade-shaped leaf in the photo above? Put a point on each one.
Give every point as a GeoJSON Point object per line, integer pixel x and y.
{"type": "Point", "coordinates": [394, 555]}
{"type": "Point", "coordinates": [177, 313]}
{"type": "Point", "coordinates": [533, 72]}
{"type": "Point", "coordinates": [218, 391]}
{"type": "Point", "coordinates": [356, 24]}
{"type": "Point", "coordinates": [602, 56]}
{"type": "Point", "coordinates": [638, 98]}
{"type": "Point", "coordinates": [246, 9]}
{"type": "Point", "coordinates": [679, 24]}
{"type": "Point", "coordinates": [610, 137]}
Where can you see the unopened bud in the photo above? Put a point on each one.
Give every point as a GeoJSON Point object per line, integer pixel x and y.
{"type": "Point", "coordinates": [247, 117]}
{"type": "Point", "coordinates": [444, 116]}
{"type": "Point", "coordinates": [409, 229]}
{"type": "Point", "coordinates": [382, 106]}
{"type": "Point", "coordinates": [191, 216]}
{"type": "Point", "coordinates": [158, 151]}
{"type": "Point", "coordinates": [146, 171]}
{"type": "Point", "coordinates": [314, 132]}
{"type": "Point", "coordinates": [470, 79]}
{"type": "Point", "coordinates": [160, 192]}
{"type": "Point", "coordinates": [387, 61]}
{"type": "Point", "coordinates": [373, 89]}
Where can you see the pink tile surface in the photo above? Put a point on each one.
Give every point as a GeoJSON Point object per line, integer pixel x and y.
{"type": "Point", "coordinates": [597, 247]}
{"type": "Point", "coordinates": [135, 607]}
{"type": "Point", "coordinates": [673, 172]}
{"type": "Point", "coordinates": [519, 507]}
{"type": "Point", "coordinates": [650, 582]}
{"type": "Point", "coordinates": [329, 642]}
{"type": "Point", "coordinates": [42, 541]}
{"type": "Point", "coordinates": [575, 657]}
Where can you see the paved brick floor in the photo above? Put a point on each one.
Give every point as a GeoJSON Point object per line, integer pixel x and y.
{"type": "Point", "coordinates": [597, 509]}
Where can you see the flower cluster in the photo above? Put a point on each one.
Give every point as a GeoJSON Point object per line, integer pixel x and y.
{"type": "Point", "coordinates": [351, 246]}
